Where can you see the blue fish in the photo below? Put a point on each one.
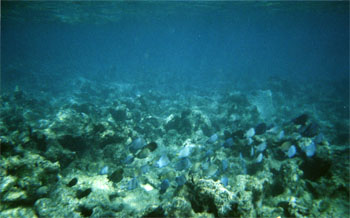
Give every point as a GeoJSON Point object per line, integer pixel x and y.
{"type": "Point", "coordinates": [244, 167]}
{"type": "Point", "coordinates": [259, 158]}
{"type": "Point", "coordinates": [180, 180]}
{"type": "Point", "coordinates": [128, 160]}
{"type": "Point", "coordinates": [209, 153]}
{"type": "Point", "coordinates": [136, 145]}
{"type": "Point", "coordinates": [280, 135]}
{"type": "Point", "coordinates": [164, 186]}
{"type": "Point", "coordinates": [252, 151]}
{"type": "Point", "coordinates": [163, 161]}
{"type": "Point", "coordinates": [224, 165]}
{"type": "Point", "coordinates": [228, 143]}
{"type": "Point", "coordinates": [224, 181]}
{"type": "Point", "coordinates": [205, 165]}
{"type": "Point", "coordinates": [183, 164]}
{"type": "Point", "coordinates": [310, 150]}
{"type": "Point", "coordinates": [145, 169]}
{"type": "Point", "coordinates": [319, 138]}
{"type": "Point", "coordinates": [261, 147]}
{"type": "Point", "coordinates": [104, 171]}
{"type": "Point", "coordinates": [291, 151]}
{"type": "Point", "coordinates": [133, 184]}
{"type": "Point", "coordinates": [213, 138]}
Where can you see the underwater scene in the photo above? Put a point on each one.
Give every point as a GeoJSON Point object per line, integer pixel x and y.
{"type": "Point", "coordinates": [174, 109]}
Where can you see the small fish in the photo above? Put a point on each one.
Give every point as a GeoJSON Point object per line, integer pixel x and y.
{"type": "Point", "coordinates": [133, 184]}
{"type": "Point", "coordinates": [213, 138]}
{"type": "Point", "coordinates": [291, 151]}
{"type": "Point", "coordinates": [212, 170]}
{"type": "Point", "coordinates": [180, 180]}
{"type": "Point", "coordinates": [250, 133]}
{"type": "Point", "coordinates": [319, 138]}
{"type": "Point", "coordinates": [224, 181]}
{"type": "Point", "coordinates": [250, 141]}
{"type": "Point", "coordinates": [163, 161]}
{"type": "Point", "coordinates": [252, 151]}
{"type": "Point", "coordinates": [164, 186]}
{"type": "Point", "coordinates": [145, 169]}
{"type": "Point", "coordinates": [228, 143]}
{"type": "Point", "coordinates": [244, 167]}
{"type": "Point", "coordinates": [280, 135]}
{"type": "Point", "coordinates": [261, 147]}
{"type": "Point", "coordinates": [128, 160]}
{"type": "Point", "coordinates": [136, 145]}
{"type": "Point", "coordinates": [186, 151]}
{"type": "Point", "coordinates": [310, 149]}
{"type": "Point", "coordinates": [241, 156]}
{"type": "Point", "coordinates": [224, 165]}
{"type": "Point", "coordinates": [209, 153]}
{"type": "Point", "coordinates": [104, 170]}
{"type": "Point", "coordinates": [205, 166]}
{"type": "Point", "coordinates": [183, 164]}
{"type": "Point", "coordinates": [259, 158]}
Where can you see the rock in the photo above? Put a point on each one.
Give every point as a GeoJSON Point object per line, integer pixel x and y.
{"type": "Point", "coordinates": [212, 197]}
{"type": "Point", "coordinates": [42, 191]}
{"type": "Point", "coordinates": [6, 183]}
{"type": "Point", "coordinates": [73, 143]}
{"type": "Point", "coordinates": [118, 115]}
{"type": "Point", "coordinates": [154, 212]}
{"type": "Point", "coordinates": [18, 212]}
{"type": "Point", "coordinates": [45, 207]}
{"type": "Point", "coordinates": [15, 195]}
{"type": "Point", "coordinates": [40, 139]}
{"type": "Point", "coordinates": [29, 178]}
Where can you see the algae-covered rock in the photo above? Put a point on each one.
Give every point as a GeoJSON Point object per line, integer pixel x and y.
{"type": "Point", "coordinates": [179, 207]}
{"type": "Point", "coordinates": [26, 179]}
{"type": "Point", "coordinates": [212, 197]}
{"type": "Point", "coordinates": [18, 212]}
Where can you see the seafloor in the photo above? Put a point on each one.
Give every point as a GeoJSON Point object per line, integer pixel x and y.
{"type": "Point", "coordinates": [125, 150]}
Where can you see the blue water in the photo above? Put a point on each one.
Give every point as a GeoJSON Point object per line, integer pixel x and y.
{"type": "Point", "coordinates": [208, 44]}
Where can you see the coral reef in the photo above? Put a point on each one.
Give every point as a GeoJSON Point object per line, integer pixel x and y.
{"type": "Point", "coordinates": [86, 155]}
